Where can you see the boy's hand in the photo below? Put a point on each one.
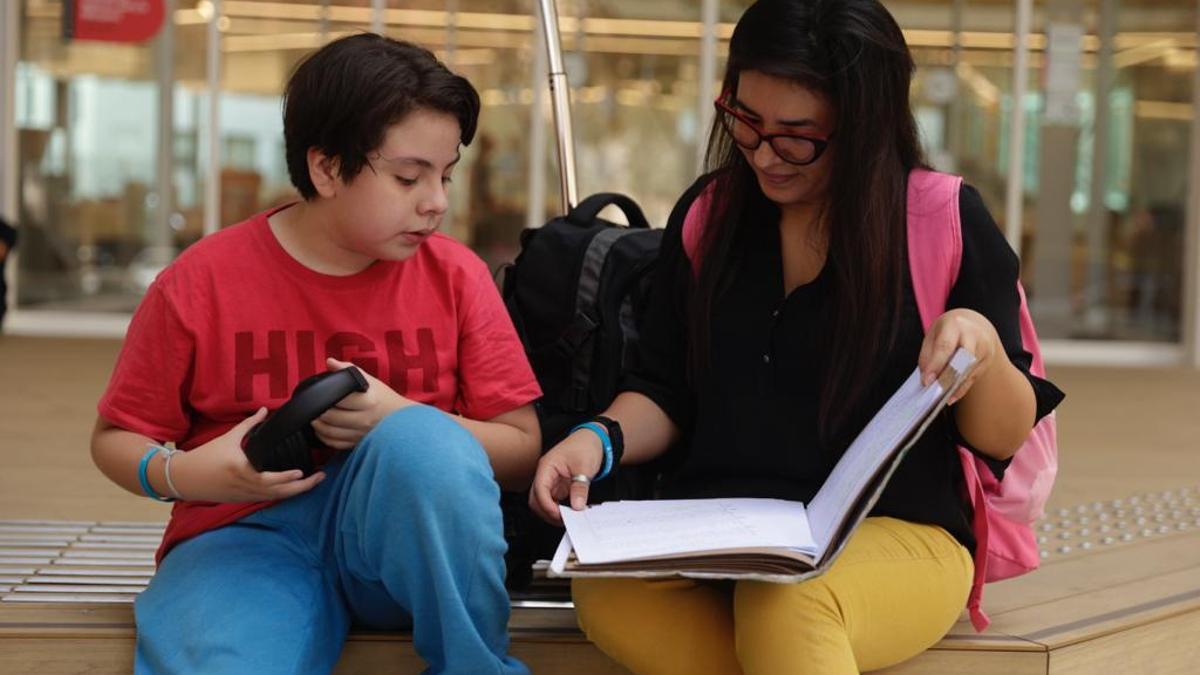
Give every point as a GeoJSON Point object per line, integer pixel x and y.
{"type": "Point", "coordinates": [343, 426]}
{"type": "Point", "coordinates": [959, 328]}
{"type": "Point", "coordinates": [577, 454]}
{"type": "Point", "coordinates": [219, 471]}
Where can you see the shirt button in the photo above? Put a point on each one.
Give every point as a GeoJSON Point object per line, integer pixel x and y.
{"type": "Point", "coordinates": [766, 358]}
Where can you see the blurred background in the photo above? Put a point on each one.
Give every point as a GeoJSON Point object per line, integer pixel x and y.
{"type": "Point", "coordinates": [1084, 143]}
{"type": "Point", "coordinates": [1078, 121]}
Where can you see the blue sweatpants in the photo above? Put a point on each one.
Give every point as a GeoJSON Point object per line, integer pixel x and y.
{"type": "Point", "coordinates": [405, 530]}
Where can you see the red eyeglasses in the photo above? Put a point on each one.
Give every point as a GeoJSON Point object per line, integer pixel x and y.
{"type": "Point", "coordinates": [796, 149]}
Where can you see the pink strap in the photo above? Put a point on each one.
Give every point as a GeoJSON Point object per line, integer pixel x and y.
{"type": "Point", "coordinates": [934, 240]}
{"type": "Point", "coordinates": [693, 226]}
{"type": "Point", "coordinates": [980, 527]}
{"type": "Point", "coordinates": [934, 260]}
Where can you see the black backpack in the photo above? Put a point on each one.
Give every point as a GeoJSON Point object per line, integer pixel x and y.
{"type": "Point", "coordinates": [575, 294]}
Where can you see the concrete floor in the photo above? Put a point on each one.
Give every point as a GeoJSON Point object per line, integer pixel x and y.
{"type": "Point", "coordinates": [1121, 432]}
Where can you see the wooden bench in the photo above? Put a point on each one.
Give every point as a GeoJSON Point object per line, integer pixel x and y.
{"type": "Point", "coordinates": [1119, 592]}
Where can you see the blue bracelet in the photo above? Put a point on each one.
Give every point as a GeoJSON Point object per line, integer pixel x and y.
{"type": "Point", "coordinates": [605, 442]}
{"type": "Point", "coordinates": [145, 482]}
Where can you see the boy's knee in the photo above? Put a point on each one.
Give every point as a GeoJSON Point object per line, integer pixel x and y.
{"type": "Point", "coordinates": [422, 448]}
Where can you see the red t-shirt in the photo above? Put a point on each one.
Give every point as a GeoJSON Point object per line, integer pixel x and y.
{"type": "Point", "coordinates": [235, 322]}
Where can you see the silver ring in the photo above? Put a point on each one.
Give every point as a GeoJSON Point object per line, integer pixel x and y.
{"type": "Point", "coordinates": [581, 478]}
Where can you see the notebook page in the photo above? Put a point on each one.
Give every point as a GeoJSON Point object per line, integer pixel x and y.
{"type": "Point", "coordinates": [903, 412]}
{"type": "Point", "coordinates": [631, 530]}
{"type": "Point", "coordinates": [559, 561]}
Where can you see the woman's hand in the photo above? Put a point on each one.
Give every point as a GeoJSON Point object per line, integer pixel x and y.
{"type": "Point", "coordinates": [343, 426]}
{"type": "Point", "coordinates": [580, 453]}
{"type": "Point", "coordinates": [219, 471]}
{"type": "Point", "coordinates": [959, 328]}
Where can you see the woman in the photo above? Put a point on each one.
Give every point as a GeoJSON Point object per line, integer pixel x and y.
{"type": "Point", "coordinates": [759, 363]}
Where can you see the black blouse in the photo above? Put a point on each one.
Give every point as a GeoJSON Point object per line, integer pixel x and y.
{"type": "Point", "coordinates": [751, 425]}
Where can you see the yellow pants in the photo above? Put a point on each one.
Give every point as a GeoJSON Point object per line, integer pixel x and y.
{"type": "Point", "coordinates": [894, 591]}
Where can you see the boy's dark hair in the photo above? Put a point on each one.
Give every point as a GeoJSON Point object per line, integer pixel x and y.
{"type": "Point", "coordinates": [342, 98]}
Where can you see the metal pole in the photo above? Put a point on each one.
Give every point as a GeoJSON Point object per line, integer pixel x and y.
{"type": "Point", "coordinates": [323, 21]}
{"type": "Point", "coordinates": [377, 9]}
{"type": "Point", "coordinates": [1191, 288]}
{"type": "Point", "coordinates": [159, 237]}
{"type": "Point", "coordinates": [1016, 136]}
{"type": "Point", "coordinates": [10, 33]}
{"type": "Point", "coordinates": [560, 93]}
{"type": "Point", "coordinates": [708, 73]}
{"type": "Point", "coordinates": [212, 181]}
{"type": "Point", "coordinates": [535, 210]}
{"type": "Point", "coordinates": [954, 109]}
{"type": "Point", "coordinates": [451, 32]}
{"type": "Point", "coordinates": [1097, 313]}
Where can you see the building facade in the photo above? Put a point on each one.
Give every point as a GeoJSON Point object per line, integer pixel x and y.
{"type": "Point", "coordinates": [1076, 119]}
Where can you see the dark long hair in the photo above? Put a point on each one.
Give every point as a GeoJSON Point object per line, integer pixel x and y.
{"type": "Point", "coordinates": [853, 52]}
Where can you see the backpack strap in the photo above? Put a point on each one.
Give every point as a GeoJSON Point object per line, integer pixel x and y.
{"type": "Point", "coordinates": [586, 212]}
{"type": "Point", "coordinates": [575, 340]}
{"type": "Point", "coordinates": [934, 260]}
{"type": "Point", "coordinates": [934, 240]}
{"type": "Point", "coordinates": [693, 226]}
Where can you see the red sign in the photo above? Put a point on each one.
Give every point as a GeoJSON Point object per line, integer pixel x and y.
{"type": "Point", "coordinates": [112, 20]}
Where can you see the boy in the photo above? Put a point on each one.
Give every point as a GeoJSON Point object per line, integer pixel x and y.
{"type": "Point", "coordinates": [265, 572]}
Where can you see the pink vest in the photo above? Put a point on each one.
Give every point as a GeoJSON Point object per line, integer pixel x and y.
{"type": "Point", "coordinates": [1006, 510]}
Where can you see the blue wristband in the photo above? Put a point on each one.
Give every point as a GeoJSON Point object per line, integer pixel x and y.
{"type": "Point", "coordinates": [605, 442]}
{"type": "Point", "coordinates": [145, 482]}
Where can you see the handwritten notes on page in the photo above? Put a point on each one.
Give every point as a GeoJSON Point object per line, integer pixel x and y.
{"type": "Point", "coordinates": [616, 531]}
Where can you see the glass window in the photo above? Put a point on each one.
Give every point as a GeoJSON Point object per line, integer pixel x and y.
{"type": "Point", "coordinates": [1109, 175]}
{"type": "Point", "coordinates": [261, 43]}
{"type": "Point", "coordinates": [636, 116]}
{"type": "Point", "coordinates": [490, 43]}
{"type": "Point", "coordinates": [1101, 253]}
{"type": "Point", "coordinates": [94, 225]}
{"type": "Point", "coordinates": [1148, 180]}
{"type": "Point", "coordinates": [1105, 176]}
{"type": "Point", "coordinates": [486, 41]}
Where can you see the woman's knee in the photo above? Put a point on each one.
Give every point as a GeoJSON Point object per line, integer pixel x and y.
{"type": "Point", "coordinates": [661, 627]}
{"type": "Point", "coordinates": [606, 609]}
{"type": "Point", "coordinates": [791, 628]}
{"type": "Point", "coordinates": [795, 606]}
{"type": "Point", "coordinates": [595, 609]}
{"type": "Point", "coordinates": [894, 592]}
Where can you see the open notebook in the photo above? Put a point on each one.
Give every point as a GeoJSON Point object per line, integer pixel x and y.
{"type": "Point", "coordinates": [764, 539]}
